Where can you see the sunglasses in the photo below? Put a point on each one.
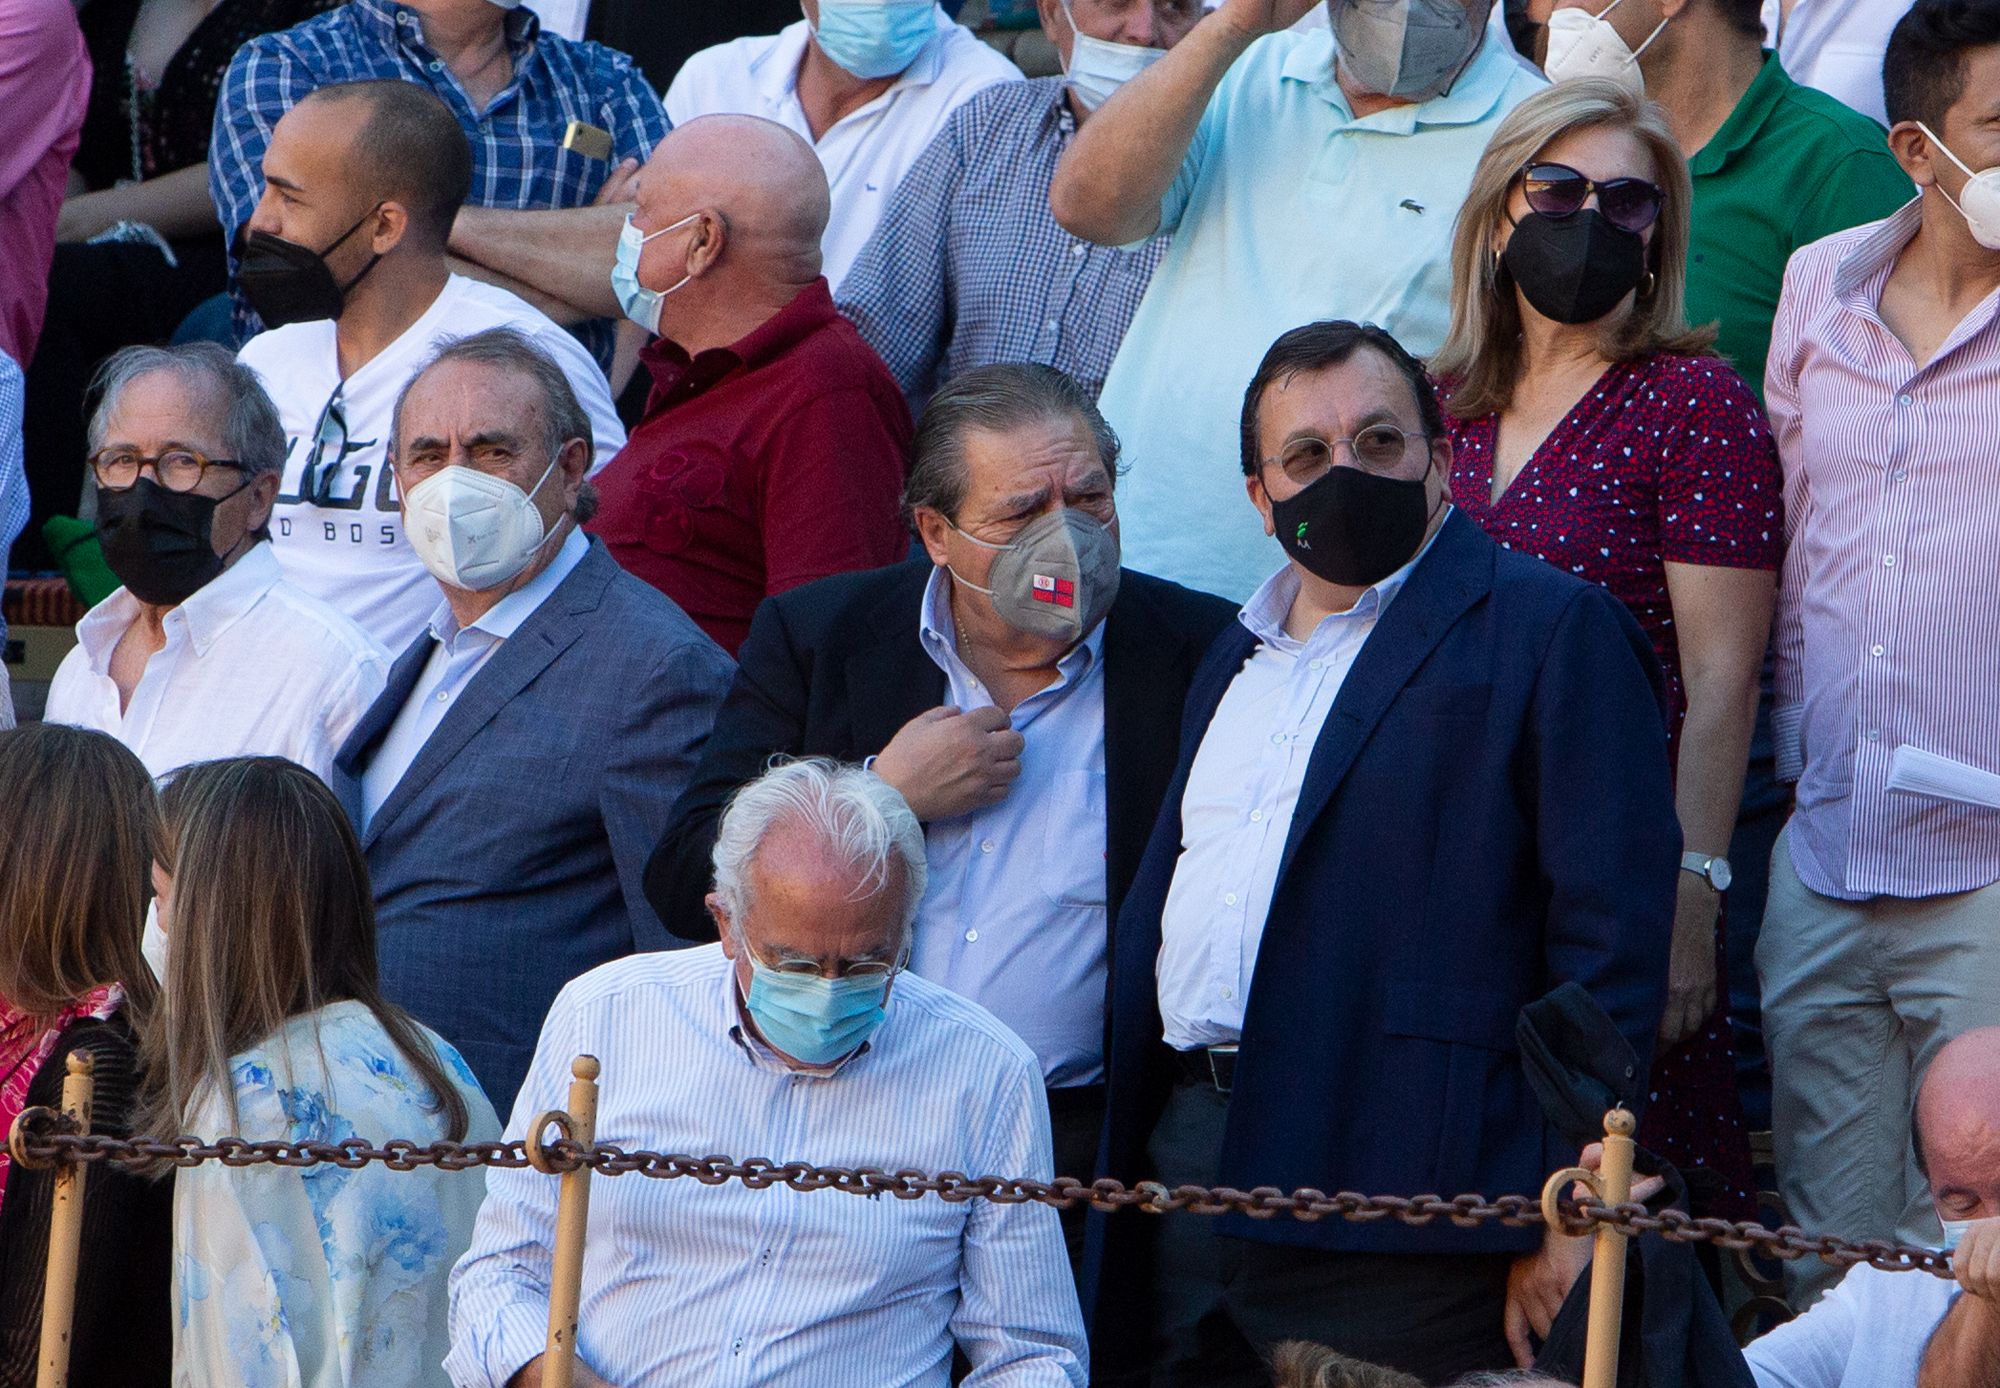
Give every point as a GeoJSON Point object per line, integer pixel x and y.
{"type": "Point", "coordinates": [1557, 190]}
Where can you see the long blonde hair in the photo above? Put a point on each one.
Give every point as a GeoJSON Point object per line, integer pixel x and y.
{"type": "Point", "coordinates": [79, 826]}
{"type": "Point", "coordinates": [273, 918]}
{"type": "Point", "coordinates": [1481, 354]}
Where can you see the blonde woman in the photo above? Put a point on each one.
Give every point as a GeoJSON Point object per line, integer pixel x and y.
{"type": "Point", "coordinates": [273, 1029]}
{"type": "Point", "coordinates": [1590, 426]}
{"type": "Point", "coordinates": [78, 828]}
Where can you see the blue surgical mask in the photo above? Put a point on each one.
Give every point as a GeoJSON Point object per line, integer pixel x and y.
{"type": "Point", "coordinates": [641, 305]}
{"type": "Point", "coordinates": [1097, 68]}
{"type": "Point", "coordinates": [815, 1020]}
{"type": "Point", "coordinates": [1954, 1230]}
{"type": "Point", "coordinates": [874, 38]}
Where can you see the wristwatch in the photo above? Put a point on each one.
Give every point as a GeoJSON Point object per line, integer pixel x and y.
{"type": "Point", "coordinates": [1714, 871]}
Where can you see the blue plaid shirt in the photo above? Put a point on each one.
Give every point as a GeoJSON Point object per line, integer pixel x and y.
{"type": "Point", "coordinates": [517, 155]}
{"type": "Point", "coordinates": [968, 266]}
{"type": "Point", "coordinates": [13, 475]}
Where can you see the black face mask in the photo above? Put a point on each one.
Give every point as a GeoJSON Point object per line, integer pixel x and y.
{"type": "Point", "coordinates": [285, 282]}
{"type": "Point", "coordinates": [158, 542]}
{"type": "Point", "coordinates": [1574, 269]}
{"type": "Point", "coordinates": [1352, 527]}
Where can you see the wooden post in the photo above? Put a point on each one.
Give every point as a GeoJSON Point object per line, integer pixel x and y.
{"type": "Point", "coordinates": [572, 1214]}
{"type": "Point", "coordinates": [65, 1236]}
{"type": "Point", "coordinates": [1607, 1265]}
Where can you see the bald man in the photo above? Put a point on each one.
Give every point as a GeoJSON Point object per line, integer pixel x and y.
{"type": "Point", "coordinates": [774, 442]}
{"type": "Point", "coordinates": [1909, 1329]}
{"type": "Point", "coordinates": [346, 262]}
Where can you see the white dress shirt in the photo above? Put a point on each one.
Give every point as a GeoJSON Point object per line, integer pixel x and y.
{"type": "Point", "coordinates": [1836, 46]}
{"type": "Point", "coordinates": [1868, 1332]}
{"type": "Point", "coordinates": [1014, 916]}
{"type": "Point", "coordinates": [458, 654]}
{"type": "Point", "coordinates": [726, 1287]}
{"type": "Point", "coordinates": [1237, 809]}
{"type": "Point", "coordinates": [866, 152]}
{"type": "Point", "coordinates": [346, 546]}
{"type": "Point", "coordinates": [251, 667]}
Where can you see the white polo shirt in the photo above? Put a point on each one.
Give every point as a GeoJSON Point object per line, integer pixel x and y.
{"type": "Point", "coordinates": [344, 543]}
{"type": "Point", "coordinates": [865, 153]}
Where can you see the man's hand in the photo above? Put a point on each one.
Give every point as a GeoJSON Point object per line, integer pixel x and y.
{"type": "Point", "coordinates": [1976, 1261]}
{"type": "Point", "coordinates": [1539, 1282]}
{"type": "Point", "coordinates": [530, 1376]}
{"type": "Point", "coordinates": [947, 763]}
{"type": "Point", "coordinates": [1691, 963]}
{"type": "Point", "coordinates": [1255, 18]}
{"type": "Point", "coordinates": [621, 185]}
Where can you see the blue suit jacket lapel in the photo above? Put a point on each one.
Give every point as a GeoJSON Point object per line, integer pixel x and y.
{"type": "Point", "coordinates": [355, 755]}
{"type": "Point", "coordinates": [1456, 573]}
{"type": "Point", "coordinates": [546, 634]}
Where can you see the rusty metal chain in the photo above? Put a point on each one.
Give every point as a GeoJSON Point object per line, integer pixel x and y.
{"type": "Point", "coordinates": [44, 1137]}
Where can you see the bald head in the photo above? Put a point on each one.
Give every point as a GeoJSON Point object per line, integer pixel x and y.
{"type": "Point", "coordinates": [763, 181]}
{"type": "Point", "coordinates": [1958, 1126]}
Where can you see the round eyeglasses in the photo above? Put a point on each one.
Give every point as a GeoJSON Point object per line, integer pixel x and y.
{"type": "Point", "coordinates": [1378, 448]}
{"type": "Point", "coordinates": [177, 469]}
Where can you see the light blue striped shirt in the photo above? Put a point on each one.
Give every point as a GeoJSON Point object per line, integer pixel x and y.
{"type": "Point", "coordinates": [724, 1286]}
{"type": "Point", "coordinates": [13, 474]}
{"type": "Point", "coordinates": [1014, 917]}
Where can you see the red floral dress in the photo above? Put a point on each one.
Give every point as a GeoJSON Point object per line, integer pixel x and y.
{"type": "Point", "coordinates": [1668, 459]}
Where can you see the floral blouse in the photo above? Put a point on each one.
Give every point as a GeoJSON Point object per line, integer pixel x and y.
{"type": "Point", "coordinates": [317, 1276]}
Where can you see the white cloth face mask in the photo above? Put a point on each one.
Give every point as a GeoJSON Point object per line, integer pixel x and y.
{"type": "Point", "coordinates": [1582, 44]}
{"type": "Point", "coordinates": [473, 530]}
{"type": "Point", "coordinates": [153, 943]}
{"type": "Point", "coordinates": [1978, 201]}
{"type": "Point", "coordinates": [1097, 67]}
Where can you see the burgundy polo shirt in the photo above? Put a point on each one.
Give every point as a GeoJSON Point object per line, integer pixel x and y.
{"type": "Point", "coordinates": [760, 466]}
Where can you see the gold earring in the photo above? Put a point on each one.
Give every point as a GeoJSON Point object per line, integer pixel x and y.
{"type": "Point", "coordinates": [1648, 285]}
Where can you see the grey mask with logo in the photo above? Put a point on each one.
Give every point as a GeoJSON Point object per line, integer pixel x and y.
{"type": "Point", "coordinates": [1056, 579]}
{"type": "Point", "coordinates": [1409, 49]}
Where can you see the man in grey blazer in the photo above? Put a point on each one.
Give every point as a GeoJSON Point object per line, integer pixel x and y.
{"type": "Point", "coordinates": [512, 779]}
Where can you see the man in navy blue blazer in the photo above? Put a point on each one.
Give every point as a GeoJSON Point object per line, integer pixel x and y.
{"type": "Point", "coordinates": [1423, 781]}
{"type": "Point", "coordinates": [510, 781]}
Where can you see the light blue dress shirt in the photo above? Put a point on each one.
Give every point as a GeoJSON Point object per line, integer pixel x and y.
{"type": "Point", "coordinates": [457, 655]}
{"type": "Point", "coordinates": [730, 1287]}
{"type": "Point", "coordinates": [1236, 811]}
{"type": "Point", "coordinates": [1287, 210]}
{"type": "Point", "coordinates": [1014, 916]}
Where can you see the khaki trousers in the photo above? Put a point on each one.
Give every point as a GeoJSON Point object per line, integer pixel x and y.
{"type": "Point", "coordinates": [1858, 997]}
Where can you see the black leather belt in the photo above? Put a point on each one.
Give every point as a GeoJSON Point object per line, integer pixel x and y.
{"type": "Point", "coordinates": [1212, 1066]}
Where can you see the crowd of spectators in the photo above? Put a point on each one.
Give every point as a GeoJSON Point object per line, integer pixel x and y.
{"type": "Point", "coordinates": [729, 559]}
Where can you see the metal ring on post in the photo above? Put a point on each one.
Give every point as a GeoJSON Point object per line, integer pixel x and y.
{"type": "Point", "coordinates": [537, 1154]}
{"type": "Point", "coordinates": [17, 1135]}
{"type": "Point", "coordinates": [1552, 1193]}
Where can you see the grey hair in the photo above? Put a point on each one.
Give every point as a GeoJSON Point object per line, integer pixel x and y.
{"type": "Point", "coordinates": [856, 814]}
{"type": "Point", "coordinates": [509, 349]}
{"type": "Point", "coordinates": [992, 398]}
{"type": "Point", "coordinates": [252, 435]}
{"type": "Point", "coordinates": [1509, 1378]}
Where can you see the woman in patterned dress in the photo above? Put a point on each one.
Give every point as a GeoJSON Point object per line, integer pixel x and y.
{"type": "Point", "coordinates": [1591, 427]}
{"type": "Point", "coordinates": [273, 1030]}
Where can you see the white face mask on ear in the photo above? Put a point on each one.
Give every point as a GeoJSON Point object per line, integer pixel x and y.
{"type": "Point", "coordinates": [473, 530]}
{"type": "Point", "coordinates": [1978, 201]}
{"type": "Point", "coordinates": [1582, 44]}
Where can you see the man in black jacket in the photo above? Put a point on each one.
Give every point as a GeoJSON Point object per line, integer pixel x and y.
{"type": "Point", "coordinates": [1021, 691]}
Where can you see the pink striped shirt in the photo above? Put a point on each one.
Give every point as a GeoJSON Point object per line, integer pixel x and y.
{"type": "Point", "coordinates": [1888, 630]}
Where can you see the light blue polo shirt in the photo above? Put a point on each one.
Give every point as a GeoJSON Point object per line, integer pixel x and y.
{"type": "Point", "coordinates": [1287, 210]}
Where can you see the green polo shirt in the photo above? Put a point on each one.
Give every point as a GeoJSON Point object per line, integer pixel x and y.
{"type": "Point", "coordinates": [1789, 166]}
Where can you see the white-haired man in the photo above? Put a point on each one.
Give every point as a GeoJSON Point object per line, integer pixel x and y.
{"type": "Point", "coordinates": [796, 1036]}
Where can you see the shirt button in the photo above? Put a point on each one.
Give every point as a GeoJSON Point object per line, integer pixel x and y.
{"type": "Point", "coordinates": [1229, 899]}
{"type": "Point", "coordinates": [972, 937]}
{"type": "Point", "coordinates": [1902, 400]}
{"type": "Point", "coordinates": [986, 847]}
{"type": "Point", "coordinates": [1902, 475]}
{"type": "Point", "coordinates": [1078, 250]}
{"type": "Point", "coordinates": [737, 1346]}
{"type": "Point", "coordinates": [1875, 650]}
{"type": "Point", "coordinates": [1256, 816]}
{"type": "Point", "coordinates": [436, 66]}
{"type": "Point", "coordinates": [443, 694]}
{"type": "Point", "coordinates": [1277, 739]}
{"type": "Point", "coordinates": [1314, 664]}
{"type": "Point", "coordinates": [1874, 736]}
{"type": "Point", "coordinates": [1228, 993]}
{"type": "Point", "coordinates": [1888, 561]}
{"type": "Point", "coordinates": [1050, 325]}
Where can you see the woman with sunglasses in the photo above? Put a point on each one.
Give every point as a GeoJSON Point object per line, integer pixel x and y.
{"type": "Point", "coordinates": [1591, 426]}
